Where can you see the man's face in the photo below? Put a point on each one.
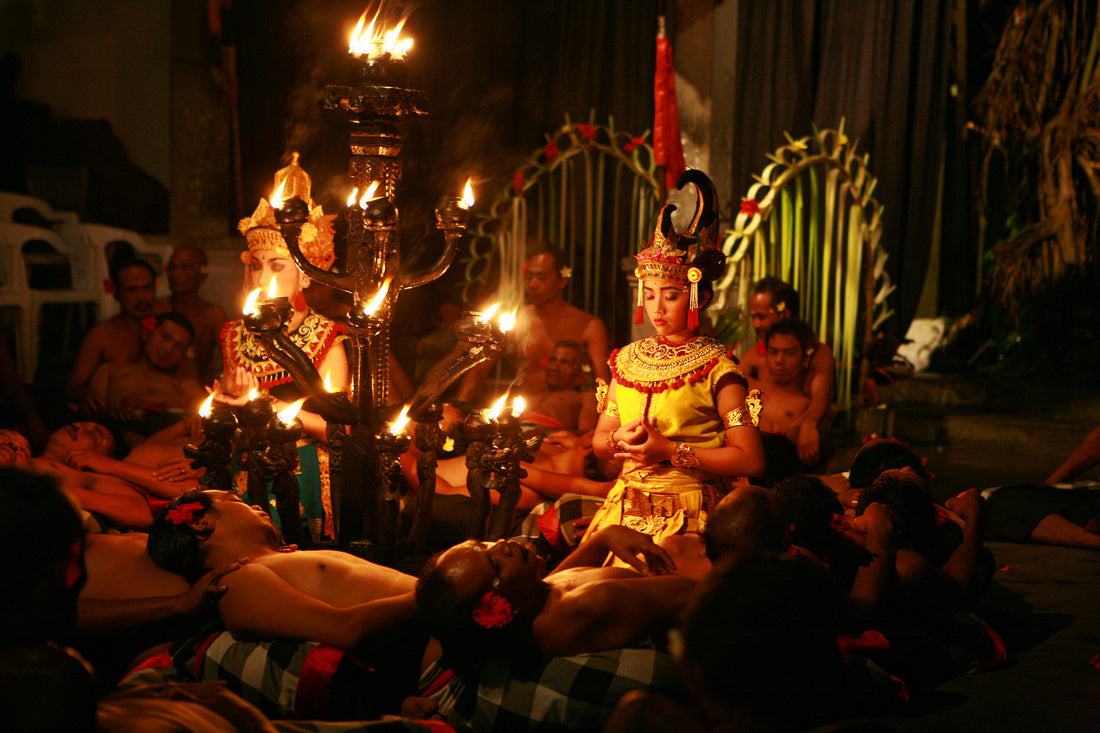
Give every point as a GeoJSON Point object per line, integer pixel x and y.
{"type": "Point", "coordinates": [763, 313]}
{"type": "Point", "coordinates": [184, 270]}
{"type": "Point", "coordinates": [14, 449]}
{"type": "Point", "coordinates": [81, 436]}
{"type": "Point", "coordinates": [563, 368]}
{"type": "Point", "coordinates": [785, 359]}
{"type": "Point", "coordinates": [473, 565]}
{"type": "Point", "coordinates": [167, 345]}
{"type": "Point", "coordinates": [136, 291]}
{"type": "Point", "coordinates": [234, 516]}
{"type": "Point", "coordinates": [541, 281]}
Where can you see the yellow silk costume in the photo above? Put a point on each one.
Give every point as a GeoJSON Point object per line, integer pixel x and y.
{"type": "Point", "coordinates": [677, 387]}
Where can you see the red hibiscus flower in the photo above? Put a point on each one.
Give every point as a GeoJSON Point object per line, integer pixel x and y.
{"type": "Point", "coordinates": [587, 132]}
{"type": "Point", "coordinates": [750, 207]}
{"type": "Point", "coordinates": [551, 150]}
{"type": "Point", "coordinates": [634, 142]}
{"type": "Point", "coordinates": [517, 181]}
{"type": "Point", "coordinates": [183, 513]}
{"type": "Point", "coordinates": [493, 611]}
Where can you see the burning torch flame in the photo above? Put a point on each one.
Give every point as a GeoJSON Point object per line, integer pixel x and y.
{"type": "Point", "coordinates": [518, 406]}
{"type": "Point", "coordinates": [250, 302]}
{"type": "Point", "coordinates": [468, 194]}
{"type": "Point", "coordinates": [507, 321]}
{"type": "Point", "coordinates": [273, 288]}
{"type": "Point", "coordinates": [376, 44]}
{"type": "Point", "coordinates": [494, 413]}
{"type": "Point", "coordinates": [489, 313]}
{"type": "Point", "coordinates": [207, 406]}
{"type": "Point", "coordinates": [287, 416]}
{"type": "Point", "coordinates": [351, 199]}
{"type": "Point", "coordinates": [368, 194]}
{"type": "Point", "coordinates": [277, 197]}
{"type": "Point", "coordinates": [378, 298]}
{"type": "Point", "coordinates": [401, 421]}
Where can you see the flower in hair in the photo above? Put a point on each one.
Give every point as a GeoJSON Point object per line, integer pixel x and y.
{"type": "Point", "coordinates": [109, 286]}
{"type": "Point", "coordinates": [184, 513]}
{"type": "Point", "coordinates": [839, 524]}
{"type": "Point", "coordinates": [566, 272]}
{"type": "Point", "coordinates": [493, 611]}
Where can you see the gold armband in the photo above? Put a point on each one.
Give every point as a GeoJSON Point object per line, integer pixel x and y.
{"type": "Point", "coordinates": [612, 444]}
{"type": "Point", "coordinates": [611, 409]}
{"type": "Point", "coordinates": [683, 456]}
{"type": "Point", "coordinates": [746, 414]}
{"type": "Point", "coordinates": [602, 388]}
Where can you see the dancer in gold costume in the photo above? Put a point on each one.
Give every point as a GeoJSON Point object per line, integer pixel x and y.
{"type": "Point", "coordinates": [677, 410]}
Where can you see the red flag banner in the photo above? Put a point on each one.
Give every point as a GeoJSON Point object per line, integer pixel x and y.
{"type": "Point", "coordinates": [668, 151]}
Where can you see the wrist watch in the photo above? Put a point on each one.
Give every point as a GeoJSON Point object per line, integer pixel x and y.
{"type": "Point", "coordinates": [683, 456]}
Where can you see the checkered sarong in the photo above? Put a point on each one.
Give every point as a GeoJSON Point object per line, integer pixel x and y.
{"type": "Point", "coordinates": [574, 693]}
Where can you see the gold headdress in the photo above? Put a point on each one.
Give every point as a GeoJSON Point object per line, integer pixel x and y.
{"type": "Point", "coordinates": [687, 257]}
{"type": "Point", "coordinates": [262, 233]}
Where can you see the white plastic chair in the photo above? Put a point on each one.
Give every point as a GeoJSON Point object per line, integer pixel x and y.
{"type": "Point", "coordinates": [10, 203]}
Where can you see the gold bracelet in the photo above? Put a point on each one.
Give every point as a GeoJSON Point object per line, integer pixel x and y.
{"type": "Point", "coordinates": [683, 456]}
{"type": "Point", "coordinates": [612, 444]}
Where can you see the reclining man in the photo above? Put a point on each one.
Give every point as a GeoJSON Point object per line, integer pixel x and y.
{"type": "Point", "coordinates": [772, 301]}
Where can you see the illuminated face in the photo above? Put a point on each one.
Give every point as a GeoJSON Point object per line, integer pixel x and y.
{"type": "Point", "coordinates": [14, 449]}
{"type": "Point", "coordinates": [166, 345]}
{"type": "Point", "coordinates": [563, 368]}
{"type": "Point", "coordinates": [666, 304]}
{"type": "Point", "coordinates": [184, 270]}
{"type": "Point", "coordinates": [81, 436]}
{"type": "Point", "coordinates": [763, 313]}
{"type": "Point", "coordinates": [236, 516]}
{"type": "Point", "coordinates": [266, 265]}
{"type": "Point", "coordinates": [136, 291]}
{"type": "Point", "coordinates": [542, 282]}
{"type": "Point", "coordinates": [785, 359]}
{"type": "Point", "coordinates": [474, 565]}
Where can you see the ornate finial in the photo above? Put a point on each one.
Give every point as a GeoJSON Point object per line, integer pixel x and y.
{"type": "Point", "coordinates": [298, 183]}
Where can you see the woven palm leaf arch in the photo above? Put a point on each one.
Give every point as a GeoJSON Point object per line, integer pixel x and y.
{"type": "Point", "coordinates": [591, 191]}
{"type": "Point", "coordinates": [811, 219]}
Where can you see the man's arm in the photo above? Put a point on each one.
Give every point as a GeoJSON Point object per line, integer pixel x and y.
{"type": "Point", "coordinates": [552, 485]}
{"type": "Point", "coordinates": [1083, 457]}
{"type": "Point", "coordinates": [588, 416]}
{"type": "Point", "coordinates": [260, 602]}
{"type": "Point", "coordinates": [141, 476]}
{"type": "Point", "coordinates": [609, 614]}
{"type": "Point", "coordinates": [595, 339]}
{"type": "Point", "coordinates": [820, 379]}
{"type": "Point", "coordinates": [87, 359]}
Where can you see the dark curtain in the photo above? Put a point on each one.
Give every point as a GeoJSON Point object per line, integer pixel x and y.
{"type": "Point", "coordinates": [882, 67]}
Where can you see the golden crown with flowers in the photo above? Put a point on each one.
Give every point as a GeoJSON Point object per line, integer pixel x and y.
{"type": "Point", "coordinates": [261, 232]}
{"type": "Point", "coordinates": [686, 257]}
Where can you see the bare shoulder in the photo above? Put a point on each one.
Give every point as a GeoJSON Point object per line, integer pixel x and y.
{"type": "Point", "coordinates": [214, 314]}
{"type": "Point", "coordinates": [823, 356]}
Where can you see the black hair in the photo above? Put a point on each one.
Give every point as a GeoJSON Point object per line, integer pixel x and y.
{"type": "Point", "coordinates": [196, 249]}
{"type": "Point", "coordinates": [557, 256]}
{"type": "Point", "coordinates": [179, 319]}
{"type": "Point", "coordinates": [874, 458]}
{"type": "Point", "coordinates": [41, 543]}
{"type": "Point", "coordinates": [911, 508]}
{"type": "Point", "coordinates": [761, 633]}
{"type": "Point", "coordinates": [175, 545]}
{"type": "Point", "coordinates": [780, 460]}
{"type": "Point", "coordinates": [781, 293]}
{"type": "Point", "coordinates": [808, 506]}
{"type": "Point", "coordinates": [793, 327]}
{"type": "Point", "coordinates": [750, 519]}
{"type": "Point", "coordinates": [125, 259]}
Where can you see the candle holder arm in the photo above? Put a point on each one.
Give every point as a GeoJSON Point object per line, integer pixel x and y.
{"type": "Point", "coordinates": [405, 281]}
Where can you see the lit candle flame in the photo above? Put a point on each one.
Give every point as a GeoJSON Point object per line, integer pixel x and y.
{"type": "Point", "coordinates": [287, 416]}
{"type": "Point", "coordinates": [506, 321]}
{"type": "Point", "coordinates": [253, 394]}
{"type": "Point", "coordinates": [273, 288]}
{"type": "Point", "coordinates": [401, 421]}
{"type": "Point", "coordinates": [518, 405]}
{"type": "Point", "coordinates": [494, 413]}
{"type": "Point", "coordinates": [468, 194]}
{"type": "Point", "coordinates": [368, 194]}
{"type": "Point", "coordinates": [250, 302]}
{"type": "Point", "coordinates": [378, 298]}
{"type": "Point", "coordinates": [367, 42]}
{"type": "Point", "coordinates": [277, 197]}
{"type": "Point", "coordinates": [351, 199]}
{"type": "Point", "coordinates": [489, 313]}
{"type": "Point", "coordinates": [328, 382]}
{"type": "Point", "coordinates": [207, 406]}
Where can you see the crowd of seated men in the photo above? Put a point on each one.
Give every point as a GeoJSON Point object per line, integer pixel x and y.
{"type": "Point", "coordinates": [849, 593]}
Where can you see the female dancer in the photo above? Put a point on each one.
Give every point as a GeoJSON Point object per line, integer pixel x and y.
{"type": "Point", "coordinates": [676, 409]}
